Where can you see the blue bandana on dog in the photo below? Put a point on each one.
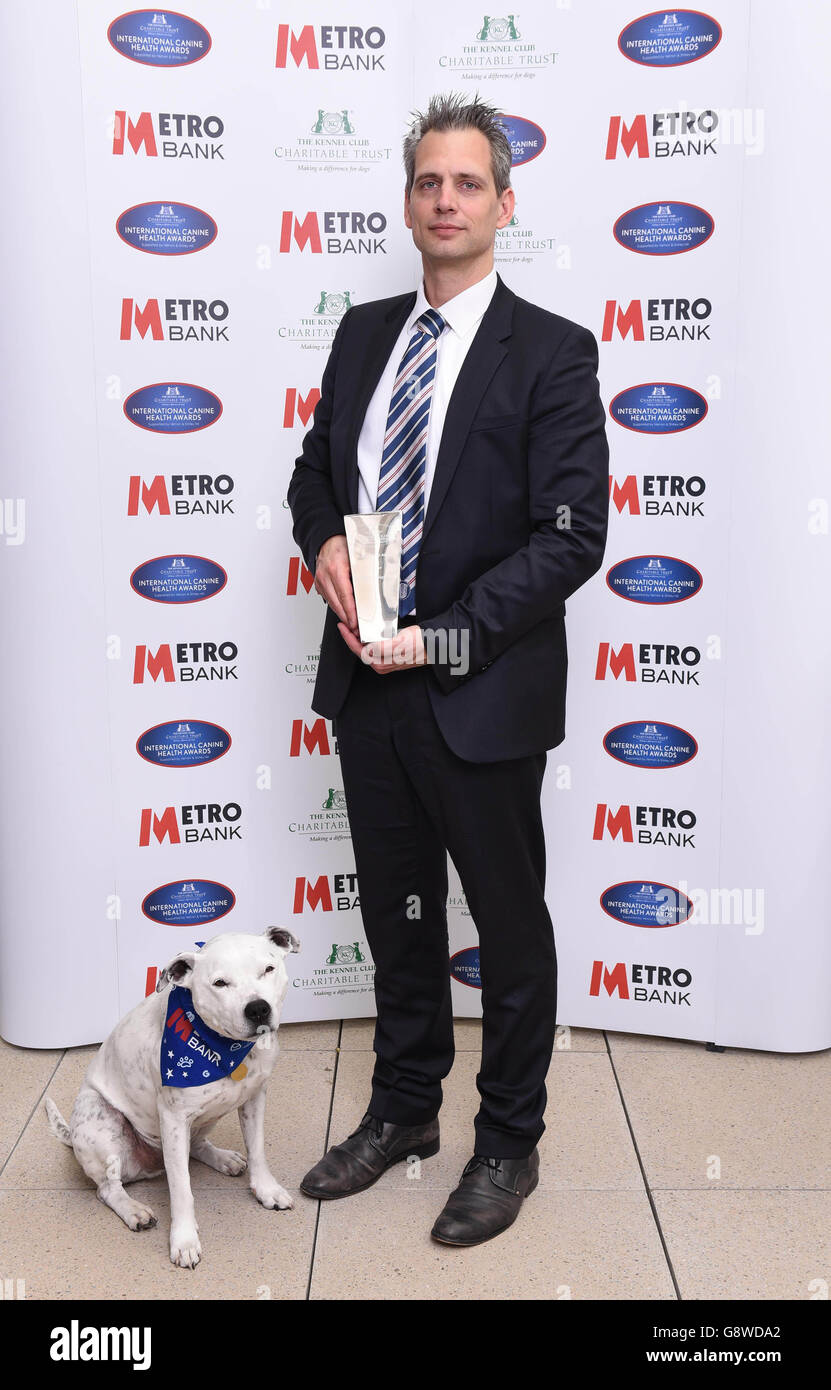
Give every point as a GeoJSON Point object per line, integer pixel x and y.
{"type": "Point", "coordinates": [192, 1054]}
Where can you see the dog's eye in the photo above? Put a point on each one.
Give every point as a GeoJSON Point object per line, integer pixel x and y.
{"type": "Point", "coordinates": [268, 969]}
{"type": "Point", "coordinates": [220, 984]}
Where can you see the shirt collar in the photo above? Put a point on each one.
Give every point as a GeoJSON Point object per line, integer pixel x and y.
{"type": "Point", "coordinates": [465, 311]}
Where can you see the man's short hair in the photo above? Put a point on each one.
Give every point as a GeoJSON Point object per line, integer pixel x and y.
{"type": "Point", "coordinates": [458, 113]}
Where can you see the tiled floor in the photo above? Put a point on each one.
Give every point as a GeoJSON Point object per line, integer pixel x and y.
{"type": "Point", "coordinates": [667, 1171]}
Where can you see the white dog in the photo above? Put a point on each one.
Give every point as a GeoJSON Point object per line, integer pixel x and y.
{"type": "Point", "coordinates": [171, 1068]}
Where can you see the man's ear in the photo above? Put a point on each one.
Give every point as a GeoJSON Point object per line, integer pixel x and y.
{"type": "Point", "coordinates": [408, 221]}
{"type": "Point", "coordinates": [507, 202]}
{"type": "Point", "coordinates": [282, 937]}
{"type": "Point", "coordinates": [178, 972]}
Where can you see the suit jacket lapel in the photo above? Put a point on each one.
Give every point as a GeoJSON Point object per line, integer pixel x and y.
{"type": "Point", "coordinates": [371, 370]}
{"type": "Point", "coordinates": [481, 361]}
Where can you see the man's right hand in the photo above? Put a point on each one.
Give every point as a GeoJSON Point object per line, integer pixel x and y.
{"type": "Point", "coordinates": [333, 580]}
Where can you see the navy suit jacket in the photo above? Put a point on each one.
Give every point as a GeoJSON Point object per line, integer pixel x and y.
{"type": "Point", "coordinates": [516, 519]}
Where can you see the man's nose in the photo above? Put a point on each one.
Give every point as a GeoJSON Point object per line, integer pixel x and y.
{"type": "Point", "coordinates": [446, 197]}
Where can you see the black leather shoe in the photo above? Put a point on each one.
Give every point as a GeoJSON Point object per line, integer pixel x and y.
{"type": "Point", "coordinates": [487, 1200]}
{"type": "Point", "coordinates": [361, 1159]}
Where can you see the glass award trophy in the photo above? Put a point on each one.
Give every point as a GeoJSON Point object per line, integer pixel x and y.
{"type": "Point", "coordinates": [374, 542]}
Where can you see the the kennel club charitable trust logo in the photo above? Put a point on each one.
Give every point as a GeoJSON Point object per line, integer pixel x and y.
{"type": "Point", "coordinates": [658, 407]}
{"type": "Point", "coordinates": [191, 1053]}
{"type": "Point", "coordinates": [332, 140]}
{"type": "Point", "coordinates": [526, 139]}
{"type": "Point", "coordinates": [327, 821]}
{"type": "Point", "coordinates": [346, 968]}
{"type": "Point", "coordinates": [464, 967]}
{"type": "Point", "coordinates": [663, 229]}
{"type": "Point", "coordinates": [178, 579]}
{"type": "Point", "coordinates": [314, 328]}
{"type": "Point", "coordinates": [188, 903]}
{"type": "Point", "coordinates": [183, 743]}
{"type": "Point", "coordinates": [304, 666]}
{"type": "Point", "coordinates": [159, 38]}
{"type": "Point", "coordinates": [669, 38]}
{"type": "Point", "coordinates": [166, 229]}
{"type": "Point", "coordinates": [333, 303]}
{"type": "Point", "coordinates": [498, 47]}
{"type": "Point", "coordinates": [642, 744]}
{"type": "Point", "coordinates": [646, 904]}
{"type": "Point", "coordinates": [654, 579]}
{"type": "Point", "coordinates": [519, 244]}
{"type": "Point", "coordinates": [172, 407]}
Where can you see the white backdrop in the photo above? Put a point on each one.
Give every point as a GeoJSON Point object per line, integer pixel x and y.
{"type": "Point", "coordinates": [193, 203]}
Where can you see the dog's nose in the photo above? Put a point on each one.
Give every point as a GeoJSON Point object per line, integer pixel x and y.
{"type": "Point", "coordinates": [257, 1011]}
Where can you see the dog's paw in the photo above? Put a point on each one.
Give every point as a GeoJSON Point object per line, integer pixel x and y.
{"type": "Point", "coordinates": [229, 1161]}
{"type": "Point", "coordinates": [185, 1249]}
{"type": "Point", "coordinates": [273, 1196]}
{"type": "Point", "coordinates": [140, 1218]}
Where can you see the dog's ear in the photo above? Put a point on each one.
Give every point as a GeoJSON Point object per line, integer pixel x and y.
{"type": "Point", "coordinates": [282, 937]}
{"type": "Point", "coordinates": [177, 972]}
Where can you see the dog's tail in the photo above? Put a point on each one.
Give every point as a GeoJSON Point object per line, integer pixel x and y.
{"type": "Point", "coordinates": [57, 1123]}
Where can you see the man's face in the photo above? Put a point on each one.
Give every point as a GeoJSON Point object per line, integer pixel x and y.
{"type": "Point", "coordinates": [453, 208]}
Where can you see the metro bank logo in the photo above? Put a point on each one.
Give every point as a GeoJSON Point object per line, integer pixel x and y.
{"type": "Point", "coordinates": [346, 233]}
{"type": "Point", "coordinates": [180, 1024]}
{"type": "Point", "coordinates": [299, 577]}
{"type": "Point", "coordinates": [192, 494]}
{"type": "Point", "coordinates": [299, 407]}
{"type": "Point", "coordinates": [656, 663]}
{"type": "Point", "coordinates": [182, 135]}
{"type": "Point", "coordinates": [329, 892]}
{"type": "Point", "coordinates": [344, 47]}
{"type": "Point", "coordinates": [314, 739]}
{"type": "Point", "coordinates": [668, 320]}
{"type": "Point", "coordinates": [650, 984]}
{"type": "Point", "coordinates": [669, 133]}
{"type": "Point", "coordinates": [658, 495]}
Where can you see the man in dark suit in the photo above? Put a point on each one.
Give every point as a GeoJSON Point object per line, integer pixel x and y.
{"type": "Point", "coordinates": [478, 415]}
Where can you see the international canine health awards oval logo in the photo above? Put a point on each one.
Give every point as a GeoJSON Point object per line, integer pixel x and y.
{"type": "Point", "coordinates": [526, 139]}
{"type": "Point", "coordinates": [654, 579]}
{"type": "Point", "coordinates": [464, 967]}
{"type": "Point", "coordinates": [183, 743]}
{"type": "Point", "coordinates": [641, 744]}
{"type": "Point", "coordinates": [669, 38]}
{"type": "Point", "coordinates": [188, 904]}
{"type": "Point", "coordinates": [178, 579]}
{"type": "Point", "coordinates": [159, 38]}
{"type": "Point", "coordinates": [166, 229]}
{"type": "Point", "coordinates": [646, 904]}
{"type": "Point", "coordinates": [663, 229]}
{"type": "Point", "coordinates": [172, 407]}
{"type": "Point", "coordinates": [658, 407]}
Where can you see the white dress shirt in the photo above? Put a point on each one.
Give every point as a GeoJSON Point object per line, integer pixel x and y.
{"type": "Point", "coordinates": [462, 314]}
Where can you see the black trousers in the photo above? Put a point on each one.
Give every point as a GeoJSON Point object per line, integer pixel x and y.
{"type": "Point", "coordinates": [410, 799]}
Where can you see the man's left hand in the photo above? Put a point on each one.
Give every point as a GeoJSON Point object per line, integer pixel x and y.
{"type": "Point", "coordinates": [399, 653]}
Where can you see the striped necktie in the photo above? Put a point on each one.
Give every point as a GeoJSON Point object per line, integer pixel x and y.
{"type": "Point", "coordinates": [401, 479]}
